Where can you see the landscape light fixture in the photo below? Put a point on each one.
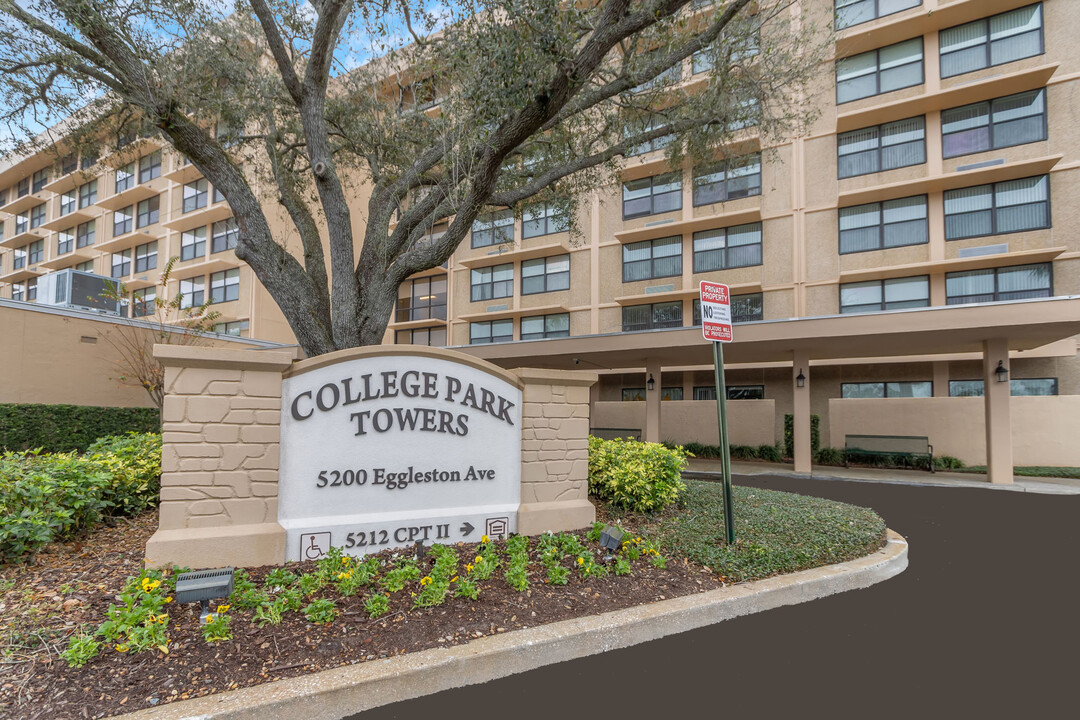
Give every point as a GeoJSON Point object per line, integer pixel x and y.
{"type": "Point", "coordinates": [611, 538]}
{"type": "Point", "coordinates": [1001, 373]}
{"type": "Point", "coordinates": [202, 586]}
{"type": "Point", "coordinates": [421, 549]}
{"type": "Point", "coordinates": [800, 379]}
{"type": "Point", "coordinates": [651, 384]}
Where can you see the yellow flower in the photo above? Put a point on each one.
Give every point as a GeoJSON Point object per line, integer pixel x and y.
{"type": "Point", "coordinates": [121, 648]}
{"type": "Point", "coordinates": [223, 608]}
{"type": "Point", "coordinates": [162, 618]}
{"type": "Point", "coordinates": [478, 559]}
{"type": "Point", "coordinates": [454, 579]}
{"type": "Point", "coordinates": [485, 539]}
{"type": "Point", "coordinates": [168, 599]}
{"type": "Point", "coordinates": [210, 618]}
{"type": "Point", "coordinates": [468, 568]}
{"type": "Point", "coordinates": [581, 561]}
{"type": "Point", "coordinates": [425, 580]}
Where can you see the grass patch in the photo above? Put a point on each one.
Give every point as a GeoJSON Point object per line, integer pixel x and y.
{"type": "Point", "coordinates": [775, 532]}
{"type": "Point", "coordinates": [1030, 471]}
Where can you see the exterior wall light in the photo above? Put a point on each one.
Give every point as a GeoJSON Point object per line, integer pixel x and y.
{"type": "Point", "coordinates": [800, 379]}
{"type": "Point", "coordinates": [611, 538]}
{"type": "Point", "coordinates": [202, 586]}
{"type": "Point", "coordinates": [651, 384]}
{"type": "Point", "coordinates": [1001, 373]}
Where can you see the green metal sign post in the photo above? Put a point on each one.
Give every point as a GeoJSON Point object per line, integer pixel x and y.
{"type": "Point", "coordinates": [716, 327]}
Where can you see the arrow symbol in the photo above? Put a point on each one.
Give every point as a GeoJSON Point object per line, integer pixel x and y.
{"type": "Point", "coordinates": [466, 528]}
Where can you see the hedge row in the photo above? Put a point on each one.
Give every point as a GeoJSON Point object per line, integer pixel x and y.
{"type": "Point", "coordinates": [64, 428]}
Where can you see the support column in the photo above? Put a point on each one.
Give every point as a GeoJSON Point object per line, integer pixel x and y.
{"type": "Point", "coordinates": [996, 401]}
{"type": "Point", "coordinates": [652, 401]}
{"type": "Point", "coordinates": [801, 410]}
{"type": "Point", "coordinates": [941, 378]}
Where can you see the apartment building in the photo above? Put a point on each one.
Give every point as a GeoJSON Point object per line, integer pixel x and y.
{"type": "Point", "coordinates": [917, 246]}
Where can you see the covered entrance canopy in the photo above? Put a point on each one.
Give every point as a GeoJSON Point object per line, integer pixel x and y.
{"type": "Point", "coordinates": [990, 329]}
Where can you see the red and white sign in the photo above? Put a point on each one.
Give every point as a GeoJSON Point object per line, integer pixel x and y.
{"type": "Point", "coordinates": [715, 312]}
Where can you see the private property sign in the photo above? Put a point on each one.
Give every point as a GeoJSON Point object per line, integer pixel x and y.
{"type": "Point", "coordinates": [390, 450]}
{"type": "Point", "coordinates": [715, 312]}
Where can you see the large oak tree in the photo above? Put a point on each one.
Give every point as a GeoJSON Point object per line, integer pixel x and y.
{"type": "Point", "coordinates": [465, 108]}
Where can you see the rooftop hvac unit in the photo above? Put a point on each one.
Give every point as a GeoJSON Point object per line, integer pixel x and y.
{"type": "Point", "coordinates": [78, 289]}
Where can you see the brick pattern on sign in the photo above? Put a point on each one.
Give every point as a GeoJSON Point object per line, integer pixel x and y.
{"type": "Point", "coordinates": [555, 445]}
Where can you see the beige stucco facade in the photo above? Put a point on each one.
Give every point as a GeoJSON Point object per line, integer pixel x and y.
{"type": "Point", "coordinates": [799, 276]}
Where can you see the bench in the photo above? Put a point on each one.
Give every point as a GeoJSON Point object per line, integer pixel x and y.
{"type": "Point", "coordinates": [910, 446]}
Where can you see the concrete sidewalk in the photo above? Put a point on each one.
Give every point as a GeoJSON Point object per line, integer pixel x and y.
{"type": "Point", "coordinates": [710, 469]}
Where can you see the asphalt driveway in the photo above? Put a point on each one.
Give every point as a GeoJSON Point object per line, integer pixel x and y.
{"type": "Point", "coordinates": [984, 623]}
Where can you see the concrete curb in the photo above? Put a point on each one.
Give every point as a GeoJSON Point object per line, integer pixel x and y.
{"type": "Point", "coordinates": [337, 693]}
{"type": "Point", "coordinates": [1026, 485]}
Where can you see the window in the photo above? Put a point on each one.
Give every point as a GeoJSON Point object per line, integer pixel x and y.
{"type": "Point", "coordinates": [193, 243]}
{"type": "Point", "coordinates": [67, 202]}
{"type": "Point", "coordinates": [543, 219]}
{"type": "Point", "coordinates": [744, 308]}
{"type": "Point", "coordinates": [149, 166]}
{"type": "Point", "coordinates": [425, 299]}
{"type": "Point", "coordinates": [435, 337]}
{"type": "Point", "coordinates": [87, 266]}
{"type": "Point", "coordinates": [493, 229]}
{"type": "Point", "coordinates": [909, 388]}
{"type": "Point", "coordinates": [122, 220]}
{"type": "Point", "coordinates": [642, 125]}
{"type": "Point", "coordinates": [36, 252]}
{"type": "Point", "coordinates": [880, 71]}
{"type": "Point", "coordinates": [194, 195]}
{"type": "Point", "coordinates": [125, 178]}
{"type": "Point", "coordinates": [18, 291]}
{"type": "Point", "coordinates": [652, 195]}
{"type": "Point", "coordinates": [723, 248]}
{"type": "Point", "coordinates": [638, 394]}
{"type": "Point", "coordinates": [545, 274]}
{"type": "Point", "coordinates": [749, 45]}
{"type": "Point", "coordinates": [491, 331]}
{"type": "Point", "coordinates": [192, 292]}
{"type": "Point", "coordinates": [224, 235]}
{"type": "Point", "coordinates": [237, 328]}
{"type": "Point", "coordinates": [729, 180]}
{"type": "Point", "coordinates": [991, 41]}
{"type": "Point", "coordinates": [651, 317]}
{"type": "Point", "coordinates": [31, 290]}
{"type": "Point", "coordinates": [22, 189]}
{"type": "Point", "coordinates": [149, 211]}
{"type": "Point", "coordinates": [18, 258]}
{"type": "Point", "coordinates": [146, 257]}
{"type": "Point", "coordinates": [218, 196]}
{"type": "Point", "coordinates": [3, 196]}
{"type": "Point", "coordinates": [37, 216]}
{"type": "Point", "coordinates": [87, 161]}
{"type": "Point", "coordinates": [65, 241]}
{"type": "Point", "coordinates": [493, 282]}
{"type": "Point", "coordinates": [745, 392]}
{"type": "Point", "coordinates": [143, 302]}
{"type": "Point", "coordinates": [855, 12]}
{"type": "Point", "coordinates": [121, 264]}
{"type": "Point", "coordinates": [545, 326]}
{"type": "Point", "coordinates": [68, 164]}
{"type": "Point", "coordinates": [84, 234]}
{"type": "Point", "coordinates": [225, 286]}
{"type": "Point", "coordinates": [87, 194]}
{"type": "Point", "coordinates": [22, 223]}
{"type": "Point", "coordinates": [884, 147]}
{"type": "Point", "coordinates": [1018, 282]}
{"type": "Point", "coordinates": [650, 259]}
{"type": "Point", "coordinates": [668, 77]}
{"type": "Point", "coordinates": [878, 295]}
{"type": "Point", "coordinates": [40, 180]}
{"type": "Point", "coordinates": [1004, 207]}
{"type": "Point", "coordinates": [1003, 122]}
{"type": "Point", "coordinates": [1018, 387]}
{"type": "Point", "coordinates": [888, 224]}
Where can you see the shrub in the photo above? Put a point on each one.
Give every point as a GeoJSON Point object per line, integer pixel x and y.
{"type": "Point", "coordinates": [134, 460]}
{"type": "Point", "coordinates": [789, 434]}
{"type": "Point", "coordinates": [770, 453]}
{"type": "Point", "coordinates": [636, 475]}
{"type": "Point", "coordinates": [948, 462]}
{"type": "Point", "coordinates": [66, 428]}
{"type": "Point", "coordinates": [830, 456]}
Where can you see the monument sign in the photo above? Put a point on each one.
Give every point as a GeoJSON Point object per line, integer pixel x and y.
{"type": "Point", "coordinates": [386, 451]}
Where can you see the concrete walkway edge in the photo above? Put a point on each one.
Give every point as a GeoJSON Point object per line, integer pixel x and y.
{"type": "Point", "coordinates": [340, 692]}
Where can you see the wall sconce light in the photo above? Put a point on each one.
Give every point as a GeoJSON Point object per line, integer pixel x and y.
{"type": "Point", "coordinates": [1001, 373]}
{"type": "Point", "coordinates": [651, 384]}
{"type": "Point", "coordinates": [800, 379]}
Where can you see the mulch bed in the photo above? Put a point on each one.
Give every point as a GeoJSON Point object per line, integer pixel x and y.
{"type": "Point", "coordinates": [72, 586]}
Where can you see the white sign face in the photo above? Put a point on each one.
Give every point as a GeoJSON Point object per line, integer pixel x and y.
{"type": "Point", "coordinates": [715, 312]}
{"type": "Point", "coordinates": [388, 450]}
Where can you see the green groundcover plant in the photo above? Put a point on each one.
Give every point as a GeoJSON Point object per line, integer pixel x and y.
{"type": "Point", "coordinates": [49, 497]}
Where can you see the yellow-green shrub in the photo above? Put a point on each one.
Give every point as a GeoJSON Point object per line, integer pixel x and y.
{"type": "Point", "coordinates": [134, 461]}
{"type": "Point", "coordinates": [636, 475]}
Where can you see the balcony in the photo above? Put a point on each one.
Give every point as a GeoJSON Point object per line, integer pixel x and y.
{"type": "Point", "coordinates": [23, 238]}
{"type": "Point", "coordinates": [991, 87]}
{"type": "Point", "coordinates": [511, 253]}
{"type": "Point", "coordinates": [72, 219]}
{"type": "Point", "coordinates": [26, 202]}
{"type": "Point", "coordinates": [513, 312]}
{"type": "Point", "coordinates": [130, 196]}
{"type": "Point", "coordinates": [690, 225]}
{"type": "Point", "coordinates": [199, 218]}
{"type": "Point", "coordinates": [421, 323]}
{"type": "Point", "coordinates": [685, 293]}
{"type": "Point", "coordinates": [72, 180]}
{"type": "Point", "coordinates": [70, 259]}
{"type": "Point", "coordinates": [183, 174]}
{"type": "Point", "coordinates": [949, 181]}
{"type": "Point", "coordinates": [132, 151]}
{"type": "Point", "coordinates": [216, 263]}
{"type": "Point", "coordinates": [23, 273]}
{"type": "Point", "coordinates": [130, 239]}
{"type": "Point", "coordinates": [978, 262]}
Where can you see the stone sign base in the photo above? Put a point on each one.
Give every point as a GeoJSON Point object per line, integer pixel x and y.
{"type": "Point", "coordinates": [220, 455]}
